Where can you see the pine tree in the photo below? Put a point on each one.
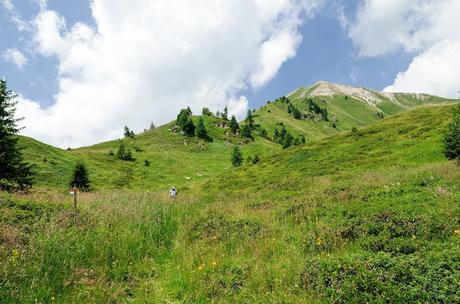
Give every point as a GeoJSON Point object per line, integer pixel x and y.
{"type": "Point", "coordinates": [128, 133]}
{"type": "Point", "coordinates": [152, 126]}
{"type": "Point", "coordinates": [14, 171]}
{"type": "Point", "coordinates": [276, 135]}
{"type": "Point", "coordinates": [189, 127]}
{"type": "Point", "coordinates": [237, 156]}
{"type": "Point", "coordinates": [246, 131]}
{"type": "Point", "coordinates": [234, 127]}
{"type": "Point", "coordinates": [206, 112]}
{"type": "Point", "coordinates": [287, 142]}
{"type": "Point", "coordinates": [80, 178]}
{"type": "Point", "coordinates": [256, 159]}
{"type": "Point", "coordinates": [121, 152]}
{"type": "Point", "coordinates": [250, 120]}
{"type": "Point", "coordinates": [225, 114]}
{"type": "Point", "coordinates": [182, 118]}
{"type": "Point", "coordinates": [452, 137]}
{"type": "Point", "coordinates": [263, 133]}
{"type": "Point", "coordinates": [201, 131]}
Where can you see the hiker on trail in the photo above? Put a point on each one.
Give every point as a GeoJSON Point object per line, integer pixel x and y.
{"type": "Point", "coordinates": [173, 192]}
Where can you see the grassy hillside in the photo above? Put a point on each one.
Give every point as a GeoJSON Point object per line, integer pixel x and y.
{"type": "Point", "coordinates": [368, 216]}
{"type": "Point", "coordinates": [363, 108]}
{"type": "Point", "coordinates": [174, 159]}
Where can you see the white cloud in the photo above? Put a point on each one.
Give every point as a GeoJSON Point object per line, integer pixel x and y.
{"type": "Point", "coordinates": [434, 71]}
{"type": "Point", "coordinates": [426, 28]}
{"type": "Point", "coordinates": [238, 107]}
{"type": "Point", "coordinates": [7, 4]}
{"type": "Point", "coordinates": [16, 57]}
{"type": "Point", "coordinates": [146, 59]}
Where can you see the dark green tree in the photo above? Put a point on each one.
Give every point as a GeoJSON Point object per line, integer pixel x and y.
{"type": "Point", "coordinates": [201, 131]}
{"type": "Point", "coordinates": [206, 112]}
{"type": "Point", "coordinates": [80, 178]}
{"type": "Point", "coordinates": [276, 135]}
{"type": "Point", "coordinates": [288, 140]}
{"type": "Point", "coordinates": [237, 157]}
{"type": "Point", "coordinates": [234, 126]}
{"type": "Point", "coordinates": [182, 118]}
{"type": "Point", "coordinates": [256, 159]}
{"type": "Point", "coordinates": [189, 127]}
{"type": "Point", "coordinates": [128, 133]}
{"type": "Point", "coordinates": [152, 126]}
{"type": "Point", "coordinates": [246, 131]}
{"type": "Point", "coordinates": [123, 153]}
{"type": "Point", "coordinates": [250, 120]}
{"type": "Point", "coordinates": [452, 137]}
{"type": "Point", "coordinates": [225, 114]}
{"type": "Point", "coordinates": [263, 133]}
{"type": "Point", "coordinates": [14, 171]}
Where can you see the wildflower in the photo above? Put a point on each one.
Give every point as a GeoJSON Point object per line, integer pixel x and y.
{"type": "Point", "coordinates": [318, 241]}
{"type": "Point", "coordinates": [214, 264]}
{"type": "Point", "coordinates": [15, 253]}
{"type": "Point", "coordinates": [414, 237]}
{"type": "Point", "coordinates": [457, 231]}
{"type": "Point", "coordinates": [201, 267]}
{"type": "Point", "coordinates": [214, 237]}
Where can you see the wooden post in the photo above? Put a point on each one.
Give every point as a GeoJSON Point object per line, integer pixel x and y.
{"type": "Point", "coordinates": [75, 198]}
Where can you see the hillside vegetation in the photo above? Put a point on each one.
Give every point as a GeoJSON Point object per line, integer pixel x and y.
{"type": "Point", "coordinates": [369, 215]}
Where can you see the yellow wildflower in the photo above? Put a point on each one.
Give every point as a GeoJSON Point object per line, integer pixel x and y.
{"type": "Point", "coordinates": [214, 264]}
{"type": "Point", "coordinates": [414, 237]}
{"type": "Point", "coordinates": [457, 231]}
{"type": "Point", "coordinates": [201, 267]}
{"type": "Point", "coordinates": [318, 241]}
{"type": "Point", "coordinates": [15, 253]}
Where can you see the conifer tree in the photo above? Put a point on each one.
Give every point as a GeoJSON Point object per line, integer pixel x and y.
{"type": "Point", "coordinates": [452, 137]}
{"type": "Point", "coordinates": [246, 131]}
{"type": "Point", "coordinates": [250, 120]}
{"type": "Point", "coordinates": [128, 133]}
{"type": "Point", "coordinates": [182, 118]}
{"type": "Point", "coordinates": [256, 159]}
{"type": "Point", "coordinates": [206, 112]}
{"type": "Point", "coordinates": [121, 152]}
{"type": "Point", "coordinates": [287, 142]}
{"type": "Point", "coordinates": [237, 157]}
{"type": "Point", "coordinates": [189, 127]}
{"type": "Point", "coordinates": [80, 178]}
{"type": "Point", "coordinates": [14, 171]}
{"type": "Point", "coordinates": [152, 126]}
{"type": "Point", "coordinates": [201, 131]}
{"type": "Point", "coordinates": [225, 114]}
{"type": "Point", "coordinates": [234, 127]}
{"type": "Point", "coordinates": [263, 133]}
{"type": "Point", "coordinates": [302, 139]}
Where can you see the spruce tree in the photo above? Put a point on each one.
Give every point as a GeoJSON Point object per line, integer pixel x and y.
{"type": "Point", "coordinates": [225, 114]}
{"type": "Point", "coordinates": [201, 131]}
{"type": "Point", "coordinates": [80, 178]}
{"type": "Point", "coordinates": [234, 127]}
{"type": "Point", "coordinates": [14, 171]}
{"type": "Point", "coordinates": [182, 118]}
{"type": "Point", "coordinates": [128, 133]}
{"type": "Point", "coordinates": [121, 152]}
{"type": "Point", "coordinates": [287, 142]}
{"type": "Point", "coordinates": [452, 137]}
{"type": "Point", "coordinates": [189, 127]}
{"type": "Point", "coordinates": [250, 120]}
{"type": "Point", "coordinates": [237, 156]}
{"type": "Point", "coordinates": [246, 131]}
{"type": "Point", "coordinates": [152, 126]}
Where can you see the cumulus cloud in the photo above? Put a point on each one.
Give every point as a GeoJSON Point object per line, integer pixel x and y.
{"type": "Point", "coordinates": [16, 57]}
{"type": "Point", "coordinates": [435, 70]}
{"type": "Point", "coordinates": [425, 28]}
{"type": "Point", "coordinates": [144, 60]}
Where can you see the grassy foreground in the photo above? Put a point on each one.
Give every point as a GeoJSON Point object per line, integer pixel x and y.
{"type": "Point", "coordinates": [369, 216]}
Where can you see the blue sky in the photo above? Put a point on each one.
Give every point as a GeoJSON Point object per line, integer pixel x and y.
{"type": "Point", "coordinates": [131, 62]}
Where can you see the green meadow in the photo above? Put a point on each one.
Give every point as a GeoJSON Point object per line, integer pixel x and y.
{"type": "Point", "coordinates": [364, 212]}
